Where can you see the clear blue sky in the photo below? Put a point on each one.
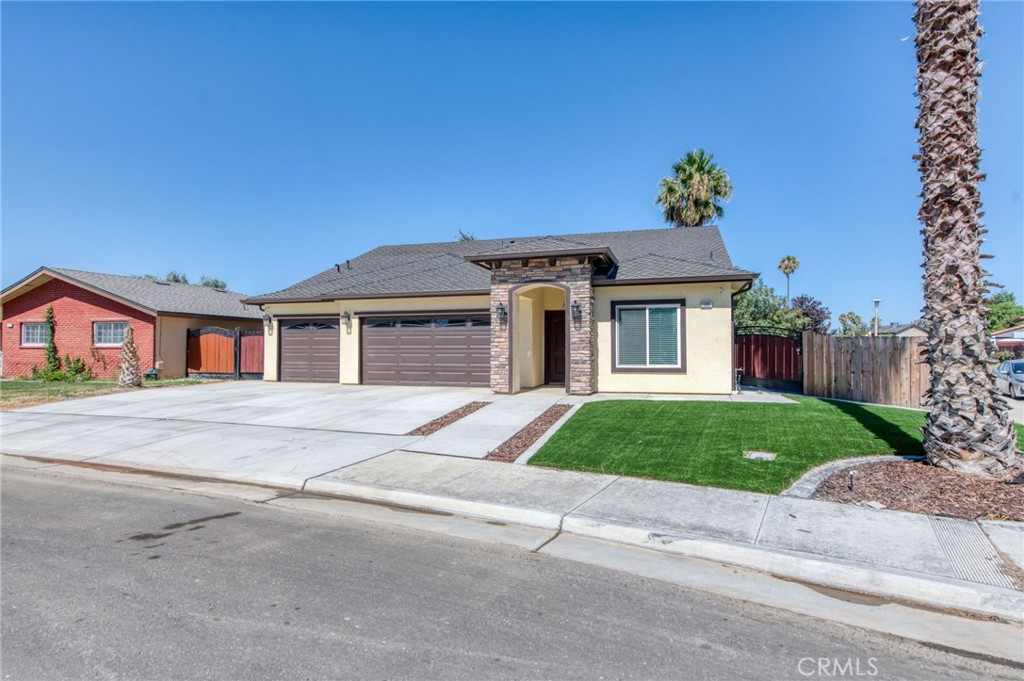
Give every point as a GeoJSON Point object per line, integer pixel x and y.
{"type": "Point", "coordinates": [262, 143]}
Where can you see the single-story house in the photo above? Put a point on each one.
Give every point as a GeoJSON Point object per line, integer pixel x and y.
{"type": "Point", "coordinates": [632, 311]}
{"type": "Point", "coordinates": [915, 329]}
{"type": "Point", "coordinates": [1009, 339]}
{"type": "Point", "coordinates": [92, 310]}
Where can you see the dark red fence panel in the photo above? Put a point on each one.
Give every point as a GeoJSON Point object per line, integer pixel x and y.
{"type": "Point", "coordinates": [250, 350]}
{"type": "Point", "coordinates": [766, 360]}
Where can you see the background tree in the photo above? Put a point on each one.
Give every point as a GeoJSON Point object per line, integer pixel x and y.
{"type": "Point", "coordinates": [816, 316]}
{"type": "Point", "coordinates": [176, 277]}
{"type": "Point", "coordinates": [1003, 310]}
{"type": "Point", "coordinates": [968, 428]}
{"type": "Point", "coordinates": [692, 196]}
{"type": "Point", "coordinates": [129, 374]}
{"type": "Point", "coordinates": [466, 236]}
{"type": "Point", "coordinates": [788, 266]}
{"type": "Point", "coordinates": [212, 282]}
{"type": "Point", "coordinates": [761, 306]}
{"type": "Point", "coordinates": [851, 325]}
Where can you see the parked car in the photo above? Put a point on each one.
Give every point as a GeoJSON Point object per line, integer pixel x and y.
{"type": "Point", "coordinates": [1010, 378]}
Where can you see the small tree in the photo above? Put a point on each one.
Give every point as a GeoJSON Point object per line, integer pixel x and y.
{"type": "Point", "coordinates": [761, 306]}
{"type": "Point", "coordinates": [52, 356]}
{"type": "Point", "coordinates": [212, 282]}
{"type": "Point", "coordinates": [851, 325]}
{"type": "Point", "coordinates": [466, 236]}
{"type": "Point", "coordinates": [130, 374]}
{"type": "Point", "coordinates": [1002, 311]}
{"type": "Point", "coordinates": [816, 315]}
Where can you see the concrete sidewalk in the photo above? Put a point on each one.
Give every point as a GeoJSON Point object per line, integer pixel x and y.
{"type": "Point", "coordinates": [350, 442]}
{"type": "Point", "coordinates": [941, 563]}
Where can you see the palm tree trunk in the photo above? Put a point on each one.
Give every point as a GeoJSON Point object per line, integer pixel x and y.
{"type": "Point", "coordinates": [968, 428]}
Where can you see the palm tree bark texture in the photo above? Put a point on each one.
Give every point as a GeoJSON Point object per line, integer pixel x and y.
{"type": "Point", "coordinates": [968, 428]}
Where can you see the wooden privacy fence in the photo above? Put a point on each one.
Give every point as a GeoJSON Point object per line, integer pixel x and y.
{"type": "Point", "coordinates": [879, 370]}
{"type": "Point", "coordinates": [213, 352]}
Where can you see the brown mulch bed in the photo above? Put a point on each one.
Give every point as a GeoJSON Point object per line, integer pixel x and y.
{"type": "Point", "coordinates": [448, 419]}
{"type": "Point", "coordinates": [509, 450]}
{"type": "Point", "coordinates": [921, 488]}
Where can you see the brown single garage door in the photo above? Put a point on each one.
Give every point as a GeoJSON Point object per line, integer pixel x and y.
{"type": "Point", "coordinates": [451, 350]}
{"type": "Point", "coordinates": [310, 350]}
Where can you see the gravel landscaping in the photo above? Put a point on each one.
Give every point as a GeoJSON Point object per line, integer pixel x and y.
{"type": "Point", "coordinates": [920, 488]}
{"type": "Point", "coordinates": [448, 419]}
{"type": "Point", "coordinates": [511, 448]}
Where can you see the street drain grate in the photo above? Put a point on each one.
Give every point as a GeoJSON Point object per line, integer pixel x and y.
{"type": "Point", "coordinates": [759, 456]}
{"type": "Point", "coordinates": [969, 551]}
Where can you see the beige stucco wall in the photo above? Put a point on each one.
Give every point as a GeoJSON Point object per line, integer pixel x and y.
{"type": "Point", "coordinates": [171, 339]}
{"type": "Point", "coordinates": [349, 352]}
{"type": "Point", "coordinates": [708, 340]}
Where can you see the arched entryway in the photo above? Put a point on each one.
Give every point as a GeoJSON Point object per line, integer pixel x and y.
{"type": "Point", "coordinates": [539, 335]}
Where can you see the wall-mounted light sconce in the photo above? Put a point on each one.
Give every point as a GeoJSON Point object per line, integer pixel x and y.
{"type": "Point", "coordinates": [267, 319]}
{"type": "Point", "coordinates": [576, 310]}
{"type": "Point", "coordinates": [346, 318]}
{"type": "Point", "coordinates": [501, 311]}
{"type": "Point", "coordinates": [705, 305]}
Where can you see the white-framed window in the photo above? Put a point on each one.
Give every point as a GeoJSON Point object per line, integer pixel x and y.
{"type": "Point", "coordinates": [108, 333]}
{"type": "Point", "coordinates": [34, 333]}
{"type": "Point", "coordinates": [649, 336]}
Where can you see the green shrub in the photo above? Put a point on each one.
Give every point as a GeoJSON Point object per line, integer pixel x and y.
{"type": "Point", "coordinates": [74, 369]}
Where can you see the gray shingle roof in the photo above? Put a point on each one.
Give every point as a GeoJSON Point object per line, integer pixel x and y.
{"type": "Point", "coordinates": [165, 298]}
{"type": "Point", "coordinates": [643, 255]}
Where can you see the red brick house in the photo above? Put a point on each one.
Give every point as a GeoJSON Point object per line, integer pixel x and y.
{"type": "Point", "coordinates": [92, 311]}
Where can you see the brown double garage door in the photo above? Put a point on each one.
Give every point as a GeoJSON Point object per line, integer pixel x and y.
{"type": "Point", "coordinates": [435, 350]}
{"type": "Point", "coordinates": [425, 350]}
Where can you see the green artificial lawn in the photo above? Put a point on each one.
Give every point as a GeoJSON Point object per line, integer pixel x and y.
{"type": "Point", "coordinates": [702, 443]}
{"type": "Point", "coordinates": [20, 393]}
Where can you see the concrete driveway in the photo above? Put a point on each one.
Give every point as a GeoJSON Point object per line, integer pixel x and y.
{"type": "Point", "coordinates": [277, 433]}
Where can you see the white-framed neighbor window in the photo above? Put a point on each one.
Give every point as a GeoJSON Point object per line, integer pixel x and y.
{"type": "Point", "coordinates": [34, 333]}
{"type": "Point", "coordinates": [649, 336]}
{"type": "Point", "coordinates": [108, 333]}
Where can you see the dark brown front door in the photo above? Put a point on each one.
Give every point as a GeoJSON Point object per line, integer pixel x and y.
{"type": "Point", "coordinates": [554, 346]}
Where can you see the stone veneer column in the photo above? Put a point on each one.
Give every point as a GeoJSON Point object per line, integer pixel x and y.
{"type": "Point", "coordinates": [501, 360]}
{"type": "Point", "coordinates": [569, 271]}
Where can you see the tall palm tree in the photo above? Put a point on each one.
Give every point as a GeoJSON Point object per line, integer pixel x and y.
{"type": "Point", "coordinates": [788, 266]}
{"type": "Point", "coordinates": [968, 428]}
{"type": "Point", "coordinates": [691, 196]}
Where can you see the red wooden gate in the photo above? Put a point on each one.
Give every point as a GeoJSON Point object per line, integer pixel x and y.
{"type": "Point", "coordinates": [213, 352]}
{"type": "Point", "coordinates": [769, 358]}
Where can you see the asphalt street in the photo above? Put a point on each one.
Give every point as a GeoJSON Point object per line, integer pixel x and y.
{"type": "Point", "coordinates": [103, 580]}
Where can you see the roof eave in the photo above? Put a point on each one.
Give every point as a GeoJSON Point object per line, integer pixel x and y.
{"type": "Point", "coordinates": [367, 296]}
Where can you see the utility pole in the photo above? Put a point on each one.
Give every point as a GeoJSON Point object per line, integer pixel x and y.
{"type": "Point", "coordinates": [876, 301]}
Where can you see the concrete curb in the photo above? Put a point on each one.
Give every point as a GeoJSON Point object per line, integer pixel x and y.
{"type": "Point", "coordinates": [932, 591]}
{"type": "Point", "coordinates": [546, 520]}
{"type": "Point", "coordinates": [808, 483]}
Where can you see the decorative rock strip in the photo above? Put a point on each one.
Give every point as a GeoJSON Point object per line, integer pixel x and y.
{"type": "Point", "coordinates": [448, 419]}
{"type": "Point", "coordinates": [511, 448]}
